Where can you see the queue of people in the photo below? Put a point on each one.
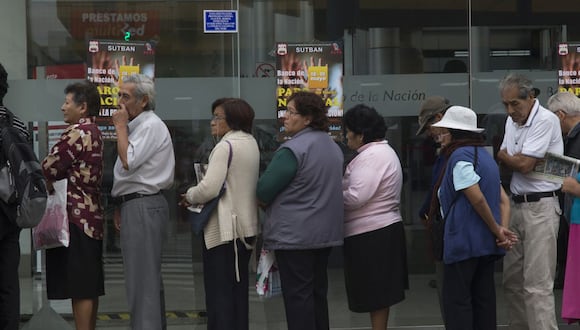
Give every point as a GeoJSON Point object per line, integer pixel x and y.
{"type": "Point", "coordinates": [312, 205]}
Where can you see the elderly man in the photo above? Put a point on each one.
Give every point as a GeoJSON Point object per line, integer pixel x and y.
{"type": "Point", "coordinates": [567, 107]}
{"type": "Point", "coordinates": [529, 268]}
{"type": "Point", "coordinates": [431, 111]}
{"type": "Point", "coordinates": [144, 167]}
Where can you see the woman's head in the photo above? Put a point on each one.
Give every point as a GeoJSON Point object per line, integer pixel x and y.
{"type": "Point", "coordinates": [231, 114]}
{"type": "Point", "coordinates": [363, 124]}
{"type": "Point", "coordinates": [81, 100]}
{"type": "Point", "coordinates": [458, 123]}
{"type": "Point", "coordinates": [305, 109]}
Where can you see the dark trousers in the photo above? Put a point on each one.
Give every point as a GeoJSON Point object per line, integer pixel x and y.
{"type": "Point", "coordinates": [562, 252]}
{"type": "Point", "coordinates": [304, 287]}
{"type": "Point", "coordinates": [469, 294]}
{"type": "Point", "coordinates": [226, 300]}
{"type": "Point", "coordinates": [9, 285]}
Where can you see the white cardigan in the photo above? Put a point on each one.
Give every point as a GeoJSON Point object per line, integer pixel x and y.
{"type": "Point", "coordinates": [237, 211]}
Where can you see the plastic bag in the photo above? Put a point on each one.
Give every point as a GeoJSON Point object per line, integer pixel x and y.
{"type": "Point", "coordinates": [268, 277]}
{"type": "Point", "coordinates": [52, 231]}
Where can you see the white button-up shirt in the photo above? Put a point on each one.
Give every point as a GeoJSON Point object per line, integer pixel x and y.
{"type": "Point", "coordinates": [150, 158]}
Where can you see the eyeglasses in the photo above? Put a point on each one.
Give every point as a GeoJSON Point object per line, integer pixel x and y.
{"type": "Point", "coordinates": [292, 112]}
{"type": "Point", "coordinates": [216, 118]}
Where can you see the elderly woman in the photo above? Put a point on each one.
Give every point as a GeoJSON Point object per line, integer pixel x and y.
{"type": "Point", "coordinates": [475, 207]}
{"type": "Point", "coordinates": [76, 271]}
{"type": "Point", "coordinates": [301, 191]}
{"type": "Point", "coordinates": [375, 256]}
{"type": "Point", "coordinates": [230, 233]}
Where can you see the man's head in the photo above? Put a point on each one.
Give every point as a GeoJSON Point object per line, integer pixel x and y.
{"type": "Point", "coordinates": [137, 94]}
{"type": "Point", "coordinates": [567, 107]}
{"type": "Point", "coordinates": [3, 83]}
{"type": "Point", "coordinates": [432, 110]}
{"type": "Point", "coordinates": [517, 95]}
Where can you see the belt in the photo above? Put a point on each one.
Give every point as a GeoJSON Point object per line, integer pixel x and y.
{"type": "Point", "coordinates": [533, 197]}
{"type": "Point", "coordinates": [125, 198]}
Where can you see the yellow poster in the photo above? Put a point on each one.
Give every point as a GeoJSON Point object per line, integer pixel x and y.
{"type": "Point", "coordinates": [127, 70]}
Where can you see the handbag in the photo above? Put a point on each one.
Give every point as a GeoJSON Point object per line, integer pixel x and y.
{"type": "Point", "coordinates": [199, 215]}
{"type": "Point", "coordinates": [53, 231]}
{"type": "Point", "coordinates": [438, 233]}
{"type": "Point", "coordinates": [268, 282]}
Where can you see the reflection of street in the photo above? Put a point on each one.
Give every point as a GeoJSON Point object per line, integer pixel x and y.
{"type": "Point", "coordinates": [266, 136]}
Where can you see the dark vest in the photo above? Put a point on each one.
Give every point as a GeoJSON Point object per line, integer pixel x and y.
{"type": "Point", "coordinates": [466, 234]}
{"type": "Point", "coordinates": [309, 212]}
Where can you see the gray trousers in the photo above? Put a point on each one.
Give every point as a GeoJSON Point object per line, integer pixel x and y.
{"type": "Point", "coordinates": [529, 267]}
{"type": "Point", "coordinates": [143, 230]}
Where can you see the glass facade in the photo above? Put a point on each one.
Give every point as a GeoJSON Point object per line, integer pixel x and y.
{"type": "Point", "coordinates": [396, 53]}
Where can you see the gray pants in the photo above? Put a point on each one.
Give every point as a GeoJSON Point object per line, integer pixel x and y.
{"type": "Point", "coordinates": [529, 268]}
{"type": "Point", "coordinates": [143, 230]}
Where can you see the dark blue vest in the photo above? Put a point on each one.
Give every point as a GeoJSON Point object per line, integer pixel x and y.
{"type": "Point", "coordinates": [466, 234]}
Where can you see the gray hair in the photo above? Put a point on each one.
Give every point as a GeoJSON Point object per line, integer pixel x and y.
{"type": "Point", "coordinates": [565, 101]}
{"type": "Point", "coordinates": [521, 82]}
{"type": "Point", "coordinates": [144, 86]}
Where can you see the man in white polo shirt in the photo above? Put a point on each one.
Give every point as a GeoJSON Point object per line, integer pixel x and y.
{"type": "Point", "coordinates": [529, 267]}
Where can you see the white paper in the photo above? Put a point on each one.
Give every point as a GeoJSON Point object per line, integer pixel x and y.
{"type": "Point", "coordinates": [555, 168]}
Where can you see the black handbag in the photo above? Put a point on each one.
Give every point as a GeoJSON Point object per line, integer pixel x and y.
{"type": "Point", "coordinates": [438, 233]}
{"type": "Point", "coordinates": [199, 219]}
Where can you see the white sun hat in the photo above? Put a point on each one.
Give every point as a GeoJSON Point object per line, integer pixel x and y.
{"type": "Point", "coordinates": [460, 118]}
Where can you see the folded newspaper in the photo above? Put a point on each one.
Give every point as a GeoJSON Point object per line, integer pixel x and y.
{"type": "Point", "coordinates": [555, 168]}
{"type": "Point", "coordinates": [199, 170]}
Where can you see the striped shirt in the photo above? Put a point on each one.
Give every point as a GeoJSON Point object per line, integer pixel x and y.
{"type": "Point", "coordinates": [17, 123]}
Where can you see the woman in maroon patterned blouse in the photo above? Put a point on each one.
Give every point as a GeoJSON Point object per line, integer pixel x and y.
{"type": "Point", "coordinates": [76, 271]}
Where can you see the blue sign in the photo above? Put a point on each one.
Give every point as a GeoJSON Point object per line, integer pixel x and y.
{"type": "Point", "coordinates": [220, 21]}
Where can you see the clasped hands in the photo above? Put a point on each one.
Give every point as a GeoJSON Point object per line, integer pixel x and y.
{"type": "Point", "coordinates": [506, 238]}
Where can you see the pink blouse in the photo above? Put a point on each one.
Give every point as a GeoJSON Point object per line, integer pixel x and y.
{"type": "Point", "coordinates": [371, 188]}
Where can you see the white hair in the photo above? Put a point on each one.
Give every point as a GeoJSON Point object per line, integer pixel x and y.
{"type": "Point", "coordinates": [565, 101]}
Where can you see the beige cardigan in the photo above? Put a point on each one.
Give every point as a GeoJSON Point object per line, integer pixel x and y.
{"type": "Point", "coordinates": [237, 211]}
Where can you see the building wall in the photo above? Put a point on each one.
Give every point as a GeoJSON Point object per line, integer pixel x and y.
{"type": "Point", "coordinates": [396, 53]}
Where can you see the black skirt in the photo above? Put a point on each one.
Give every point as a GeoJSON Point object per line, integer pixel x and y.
{"type": "Point", "coordinates": [375, 268]}
{"type": "Point", "coordinates": [75, 271]}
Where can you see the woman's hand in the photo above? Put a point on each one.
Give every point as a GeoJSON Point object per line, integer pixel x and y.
{"type": "Point", "coordinates": [49, 187]}
{"type": "Point", "coordinates": [117, 218]}
{"type": "Point", "coordinates": [506, 238]}
{"type": "Point", "coordinates": [571, 186]}
{"type": "Point", "coordinates": [183, 202]}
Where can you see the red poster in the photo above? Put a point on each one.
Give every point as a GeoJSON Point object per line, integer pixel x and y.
{"type": "Point", "coordinates": [99, 24]}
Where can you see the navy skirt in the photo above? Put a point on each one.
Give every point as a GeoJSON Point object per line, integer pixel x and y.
{"type": "Point", "coordinates": [375, 268]}
{"type": "Point", "coordinates": [75, 271]}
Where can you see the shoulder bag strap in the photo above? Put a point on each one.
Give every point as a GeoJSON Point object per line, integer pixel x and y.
{"type": "Point", "coordinates": [229, 162]}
